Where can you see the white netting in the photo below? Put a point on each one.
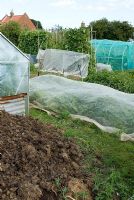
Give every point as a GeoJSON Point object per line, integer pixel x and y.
{"type": "Point", "coordinates": [103, 104]}
{"type": "Point", "coordinates": [65, 62]}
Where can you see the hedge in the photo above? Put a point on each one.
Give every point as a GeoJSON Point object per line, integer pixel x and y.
{"type": "Point", "coordinates": [30, 41]}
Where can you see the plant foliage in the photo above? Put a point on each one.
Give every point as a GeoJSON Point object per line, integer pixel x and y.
{"type": "Point", "coordinates": [78, 40]}
{"type": "Point", "coordinates": [37, 24]}
{"type": "Point", "coordinates": [12, 31]}
{"type": "Point", "coordinates": [31, 41]}
{"type": "Point", "coordinates": [123, 81]}
{"type": "Point", "coordinates": [114, 30]}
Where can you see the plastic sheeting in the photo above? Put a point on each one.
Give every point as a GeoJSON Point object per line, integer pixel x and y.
{"type": "Point", "coordinates": [32, 58]}
{"type": "Point", "coordinates": [14, 69]}
{"type": "Point", "coordinates": [101, 67]}
{"type": "Point", "coordinates": [118, 54]}
{"type": "Point", "coordinates": [65, 62]}
{"type": "Point", "coordinates": [107, 106]}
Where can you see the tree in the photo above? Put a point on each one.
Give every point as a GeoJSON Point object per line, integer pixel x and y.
{"type": "Point", "coordinates": [101, 27]}
{"type": "Point", "coordinates": [37, 24]}
{"type": "Point", "coordinates": [56, 28]}
{"type": "Point", "coordinates": [12, 31]}
{"type": "Point", "coordinates": [114, 30]}
{"type": "Point", "coordinates": [121, 30]}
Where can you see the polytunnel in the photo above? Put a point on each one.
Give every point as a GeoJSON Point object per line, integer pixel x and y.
{"type": "Point", "coordinates": [118, 54]}
{"type": "Point", "coordinates": [14, 78]}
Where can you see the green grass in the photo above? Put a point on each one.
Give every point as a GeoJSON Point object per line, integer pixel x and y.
{"type": "Point", "coordinates": [109, 161]}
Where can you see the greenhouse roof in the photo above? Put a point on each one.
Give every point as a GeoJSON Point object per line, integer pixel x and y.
{"type": "Point", "coordinates": [1, 35]}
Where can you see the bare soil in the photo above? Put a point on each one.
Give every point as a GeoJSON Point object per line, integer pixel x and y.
{"type": "Point", "coordinates": [36, 161]}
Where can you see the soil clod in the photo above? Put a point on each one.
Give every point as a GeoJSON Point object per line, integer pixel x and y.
{"type": "Point", "coordinates": [36, 161]}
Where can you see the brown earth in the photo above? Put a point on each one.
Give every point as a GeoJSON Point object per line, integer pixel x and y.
{"type": "Point", "coordinates": [37, 162]}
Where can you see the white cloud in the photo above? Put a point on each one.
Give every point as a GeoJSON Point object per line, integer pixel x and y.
{"type": "Point", "coordinates": [94, 8]}
{"type": "Point", "coordinates": [63, 3]}
{"type": "Point", "coordinates": [116, 4]}
{"type": "Point", "coordinates": [105, 5]}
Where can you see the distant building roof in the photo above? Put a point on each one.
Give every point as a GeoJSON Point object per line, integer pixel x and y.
{"type": "Point", "coordinates": [24, 21]}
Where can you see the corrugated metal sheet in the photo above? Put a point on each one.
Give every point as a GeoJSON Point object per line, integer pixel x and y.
{"type": "Point", "coordinates": [14, 106]}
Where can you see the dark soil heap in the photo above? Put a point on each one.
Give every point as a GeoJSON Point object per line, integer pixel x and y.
{"type": "Point", "coordinates": [36, 160]}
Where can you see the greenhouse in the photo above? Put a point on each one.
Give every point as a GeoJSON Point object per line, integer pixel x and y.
{"type": "Point", "coordinates": [118, 54]}
{"type": "Point", "coordinates": [14, 78]}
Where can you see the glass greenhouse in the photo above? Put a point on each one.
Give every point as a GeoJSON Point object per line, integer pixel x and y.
{"type": "Point", "coordinates": [14, 73]}
{"type": "Point", "coordinates": [118, 54]}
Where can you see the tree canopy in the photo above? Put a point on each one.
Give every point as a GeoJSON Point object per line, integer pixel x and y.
{"type": "Point", "coordinates": [37, 24]}
{"type": "Point", "coordinates": [114, 30]}
{"type": "Point", "coordinates": [12, 31]}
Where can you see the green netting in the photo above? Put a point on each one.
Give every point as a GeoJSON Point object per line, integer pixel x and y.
{"type": "Point", "coordinates": [118, 54]}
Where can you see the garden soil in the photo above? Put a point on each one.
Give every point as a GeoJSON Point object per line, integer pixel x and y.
{"type": "Point", "coordinates": [37, 162]}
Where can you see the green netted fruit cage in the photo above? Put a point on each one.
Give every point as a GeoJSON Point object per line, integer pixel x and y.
{"type": "Point", "coordinates": [118, 54]}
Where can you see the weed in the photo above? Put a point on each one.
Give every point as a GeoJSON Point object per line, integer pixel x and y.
{"type": "Point", "coordinates": [110, 186]}
{"type": "Point", "coordinates": [64, 115]}
{"type": "Point", "coordinates": [62, 191]}
{"type": "Point", "coordinates": [81, 195]}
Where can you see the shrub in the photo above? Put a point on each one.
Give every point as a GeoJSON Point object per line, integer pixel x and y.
{"type": "Point", "coordinates": [123, 81]}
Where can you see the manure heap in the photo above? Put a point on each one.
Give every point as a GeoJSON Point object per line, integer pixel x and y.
{"type": "Point", "coordinates": [32, 157]}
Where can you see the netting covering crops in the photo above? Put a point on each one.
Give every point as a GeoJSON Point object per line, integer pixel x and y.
{"type": "Point", "coordinates": [107, 106]}
{"type": "Point", "coordinates": [65, 62]}
{"type": "Point", "coordinates": [118, 54]}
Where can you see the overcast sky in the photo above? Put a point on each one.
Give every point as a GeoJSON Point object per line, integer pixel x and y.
{"type": "Point", "coordinates": [70, 13]}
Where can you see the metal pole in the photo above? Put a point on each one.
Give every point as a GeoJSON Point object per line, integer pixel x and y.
{"type": "Point", "coordinates": [38, 48]}
{"type": "Point", "coordinates": [91, 37]}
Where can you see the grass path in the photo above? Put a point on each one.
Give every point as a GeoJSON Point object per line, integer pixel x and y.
{"type": "Point", "coordinates": [108, 160]}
